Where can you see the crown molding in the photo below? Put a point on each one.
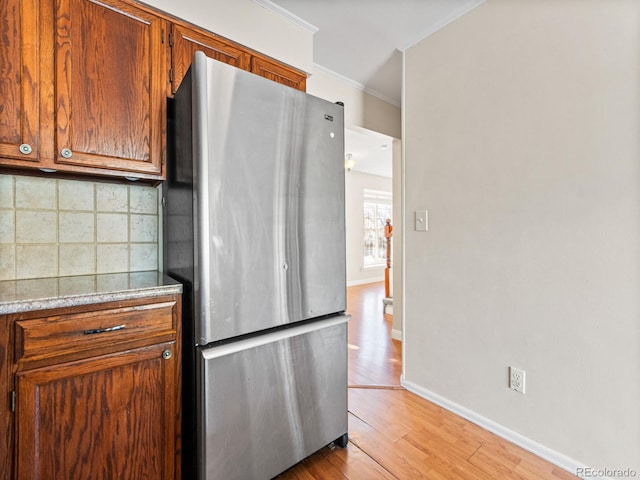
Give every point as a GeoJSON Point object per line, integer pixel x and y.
{"type": "Point", "coordinates": [463, 10]}
{"type": "Point", "coordinates": [278, 10]}
{"type": "Point", "coordinates": [356, 85]}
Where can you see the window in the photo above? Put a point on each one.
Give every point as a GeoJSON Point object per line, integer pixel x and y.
{"type": "Point", "coordinates": [377, 208]}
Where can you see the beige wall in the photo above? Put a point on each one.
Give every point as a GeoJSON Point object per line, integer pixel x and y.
{"type": "Point", "coordinates": [523, 141]}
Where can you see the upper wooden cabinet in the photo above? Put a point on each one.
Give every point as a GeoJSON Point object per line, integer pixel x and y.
{"type": "Point", "coordinates": [109, 76]}
{"type": "Point", "coordinates": [83, 83]}
{"type": "Point", "coordinates": [19, 80]}
{"type": "Point", "coordinates": [186, 41]}
{"type": "Point", "coordinates": [278, 73]}
{"type": "Point", "coordinates": [83, 87]}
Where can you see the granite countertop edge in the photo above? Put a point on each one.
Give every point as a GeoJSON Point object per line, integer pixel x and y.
{"type": "Point", "coordinates": [10, 304]}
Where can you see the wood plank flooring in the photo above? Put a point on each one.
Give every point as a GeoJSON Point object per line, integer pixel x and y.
{"type": "Point", "coordinates": [394, 434]}
{"type": "Point", "coordinates": [374, 358]}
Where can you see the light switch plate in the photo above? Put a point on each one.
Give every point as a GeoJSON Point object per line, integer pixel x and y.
{"type": "Point", "coordinates": [422, 221]}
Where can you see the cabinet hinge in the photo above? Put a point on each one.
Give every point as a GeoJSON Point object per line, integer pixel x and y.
{"type": "Point", "coordinates": [171, 40]}
{"type": "Point", "coordinates": [13, 401]}
{"type": "Point", "coordinates": [170, 75]}
{"type": "Point", "coordinates": [162, 35]}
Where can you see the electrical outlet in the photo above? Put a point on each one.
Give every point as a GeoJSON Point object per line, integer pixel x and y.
{"type": "Point", "coordinates": [516, 379]}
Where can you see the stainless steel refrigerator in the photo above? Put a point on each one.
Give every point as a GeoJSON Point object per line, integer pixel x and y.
{"type": "Point", "coordinates": [254, 228]}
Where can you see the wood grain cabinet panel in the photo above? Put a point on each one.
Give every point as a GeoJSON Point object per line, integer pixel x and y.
{"type": "Point", "coordinates": [103, 407]}
{"type": "Point", "coordinates": [83, 83]}
{"type": "Point", "coordinates": [185, 42]}
{"type": "Point", "coordinates": [110, 73]}
{"type": "Point", "coordinates": [6, 419]}
{"type": "Point", "coordinates": [105, 418]}
{"type": "Point", "coordinates": [279, 73]}
{"type": "Point", "coordinates": [42, 339]}
{"type": "Point", "coordinates": [19, 80]}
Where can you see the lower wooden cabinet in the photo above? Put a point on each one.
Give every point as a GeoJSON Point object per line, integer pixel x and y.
{"type": "Point", "coordinates": [104, 408]}
{"type": "Point", "coordinates": [6, 418]}
{"type": "Point", "coordinates": [112, 417]}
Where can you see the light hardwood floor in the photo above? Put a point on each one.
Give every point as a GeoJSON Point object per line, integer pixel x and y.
{"type": "Point", "coordinates": [394, 434]}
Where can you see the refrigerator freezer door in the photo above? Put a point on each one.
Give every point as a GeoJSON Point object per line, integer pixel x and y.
{"type": "Point", "coordinates": [270, 401]}
{"type": "Point", "coordinates": [269, 203]}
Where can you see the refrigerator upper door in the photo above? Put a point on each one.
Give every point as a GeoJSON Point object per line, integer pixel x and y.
{"type": "Point", "coordinates": [268, 203]}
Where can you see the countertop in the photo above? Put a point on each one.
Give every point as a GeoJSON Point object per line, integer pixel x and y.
{"type": "Point", "coordinates": [42, 293]}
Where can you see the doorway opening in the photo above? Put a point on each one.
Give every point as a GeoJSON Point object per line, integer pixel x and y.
{"type": "Point", "coordinates": [372, 202]}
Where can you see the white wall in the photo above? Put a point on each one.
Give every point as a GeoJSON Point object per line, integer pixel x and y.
{"type": "Point", "coordinates": [397, 243]}
{"type": "Point", "coordinates": [360, 109]}
{"type": "Point", "coordinates": [522, 140]}
{"type": "Point", "coordinates": [355, 184]}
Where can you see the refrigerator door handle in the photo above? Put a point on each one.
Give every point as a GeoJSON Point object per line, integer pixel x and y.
{"type": "Point", "coordinates": [252, 342]}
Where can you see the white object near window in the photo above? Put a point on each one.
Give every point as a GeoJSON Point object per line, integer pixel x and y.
{"type": "Point", "coordinates": [377, 208]}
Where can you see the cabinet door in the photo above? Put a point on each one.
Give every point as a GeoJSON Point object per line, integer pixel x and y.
{"type": "Point", "coordinates": [278, 73]}
{"type": "Point", "coordinates": [185, 42]}
{"type": "Point", "coordinates": [19, 79]}
{"type": "Point", "coordinates": [6, 418]}
{"type": "Point", "coordinates": [110, 75]}
{"type": "Point", "coordinates": [104, 418]}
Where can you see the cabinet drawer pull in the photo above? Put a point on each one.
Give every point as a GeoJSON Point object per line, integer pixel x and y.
{"type": "Point", "coordinates": [66, 153]}
{"type": "Point", "coordinates": [103, 330]}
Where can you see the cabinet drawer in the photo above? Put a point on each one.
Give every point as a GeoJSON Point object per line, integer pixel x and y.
{"type": "Point", "coordinates": [111, 329]}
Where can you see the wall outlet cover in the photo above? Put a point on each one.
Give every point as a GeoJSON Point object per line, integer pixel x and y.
{"type": "Point", "coordinates": [517, 379]}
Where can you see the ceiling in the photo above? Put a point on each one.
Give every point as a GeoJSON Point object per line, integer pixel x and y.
{"type": "Point", "coordinates": [371, 152]}
{"type": "Point", "coordinates": [362, 41]}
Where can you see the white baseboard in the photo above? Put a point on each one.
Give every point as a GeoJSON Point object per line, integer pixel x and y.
{"type": "Point", "coordinates": [562, 461]}
{"type": "Point", "coordinates": [396, 335]}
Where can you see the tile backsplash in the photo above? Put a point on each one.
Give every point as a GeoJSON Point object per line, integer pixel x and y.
{"type": "Point", "coordinates": [54, 227]}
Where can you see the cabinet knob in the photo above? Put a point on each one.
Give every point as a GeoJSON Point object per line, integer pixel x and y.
{"type": "Point", "coordinates": [66, 153]}
{"type": "Point", "coordinates": [167, 354]}
{"type": "Point", "coordinates": [25, 148]}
